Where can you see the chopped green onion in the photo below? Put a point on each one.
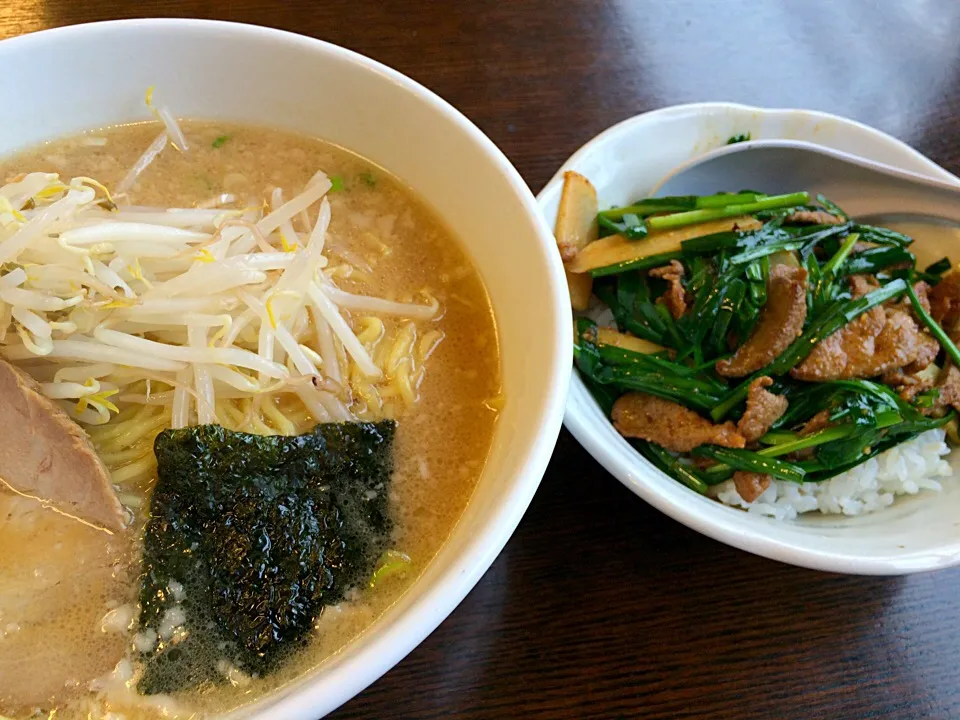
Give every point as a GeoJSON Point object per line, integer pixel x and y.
{"type": "Point", "coordinates": [392, 562]}
{"type": "Point", "coordinates": [336, 183]}
{"type": "Point", "coordinates": [221, 141]}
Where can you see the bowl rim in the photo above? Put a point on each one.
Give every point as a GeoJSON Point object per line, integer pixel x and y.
{"type": "Point", "coordinates": [337, 680]}
{"type": "Point", "coordinates": [638, 475]}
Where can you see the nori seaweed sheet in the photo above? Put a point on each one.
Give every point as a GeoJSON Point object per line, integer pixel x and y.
{"type": "Point", "coordinates": [262, 532]}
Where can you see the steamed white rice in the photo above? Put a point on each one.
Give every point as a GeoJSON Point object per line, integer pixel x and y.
{"type": "Point", "coordinates": [902, 470]}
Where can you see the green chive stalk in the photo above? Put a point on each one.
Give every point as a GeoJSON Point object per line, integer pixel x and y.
{"type": "Point", "coordinates": [692, 217]}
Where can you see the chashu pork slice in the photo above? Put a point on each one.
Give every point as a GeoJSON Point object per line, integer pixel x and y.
{"type": "Point", "coordinates": [46, 455]}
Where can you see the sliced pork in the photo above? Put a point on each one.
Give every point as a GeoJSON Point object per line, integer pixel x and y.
{"type": "Point", "coordinates": [781, 322]}
{"type": "Point", "coordinates": [764, 408]}
{"type": "Point", "coordinates": [750, 485]}
{"type": "Point", "coordinates": [46, 455]}
{"type": "Point", "coordinates": [813, 217]}
{"type": "Point", "coordinates": [676, 297]}
{"type": "Point", "coordinates": [670, 424]}
{"type": "Point", "coordinates": [880, 340]}
{"type": "Point", "coordinates": [949, 386]}
{"type": "Point", "coordinates": [945, 300]}
{"type": "Point", "coordinates": [907, 384]}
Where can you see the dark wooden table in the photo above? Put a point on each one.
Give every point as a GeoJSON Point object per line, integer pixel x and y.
{"type": "Point", "coordinates": [601, 607]}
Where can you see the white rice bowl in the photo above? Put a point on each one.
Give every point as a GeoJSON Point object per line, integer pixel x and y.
{"type": "Point", "coordinates": [905, 469]}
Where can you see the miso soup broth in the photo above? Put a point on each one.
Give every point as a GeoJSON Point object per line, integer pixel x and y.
{"type": "Point", "coordinates": [71, 642]}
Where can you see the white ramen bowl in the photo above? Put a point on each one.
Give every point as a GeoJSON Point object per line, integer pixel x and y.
{"type": "Point", "coordinates": [626, 162]}
{"type": "Point", "coordinates": [96, 75]}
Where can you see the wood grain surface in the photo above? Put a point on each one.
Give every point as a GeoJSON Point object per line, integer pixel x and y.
{"type": "Point", "coordinates": [601, 607]}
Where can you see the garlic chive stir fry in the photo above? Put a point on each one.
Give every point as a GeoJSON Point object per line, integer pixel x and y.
{"type": "Point", "coordinates": [207, 314]}
{"type": "Point", "coordinates": [758, 339]}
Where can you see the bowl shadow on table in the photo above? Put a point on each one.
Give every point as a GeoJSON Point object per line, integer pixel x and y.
{"type": "Point", "coordinates": [602, 607]}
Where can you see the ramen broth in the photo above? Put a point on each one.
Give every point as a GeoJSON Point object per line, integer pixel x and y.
{"type": "Point", "coordinates": [390, 245]}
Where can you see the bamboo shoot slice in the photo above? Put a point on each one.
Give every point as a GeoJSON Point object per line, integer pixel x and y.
{"type": "Point", "coordinates": [609, 336]}
{"type": "Point", "coordinates": [575, 229]}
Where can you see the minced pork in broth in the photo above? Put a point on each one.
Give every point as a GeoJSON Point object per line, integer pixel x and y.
{"type": "Point", "coordinates": [57, 592]}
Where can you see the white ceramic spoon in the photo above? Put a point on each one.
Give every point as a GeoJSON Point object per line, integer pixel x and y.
{"type": "Point", "coordinates": [862, 188]}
